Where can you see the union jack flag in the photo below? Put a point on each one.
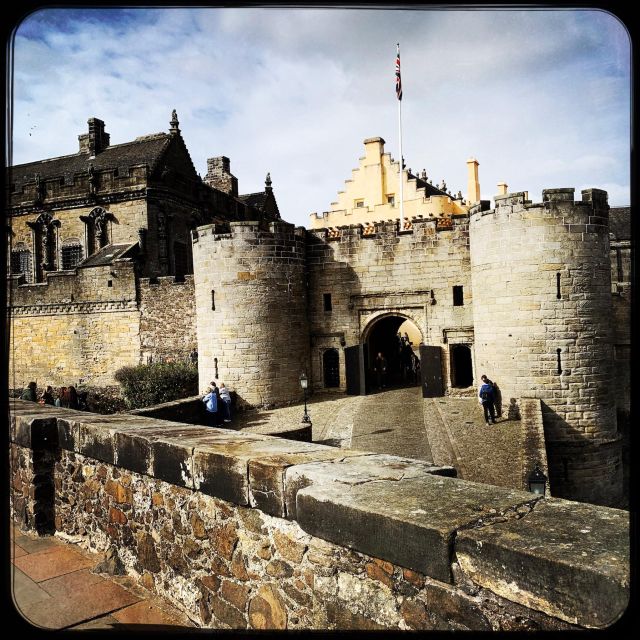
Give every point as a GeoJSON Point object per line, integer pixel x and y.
{"type": "Point", "coordinates": [398, 79]}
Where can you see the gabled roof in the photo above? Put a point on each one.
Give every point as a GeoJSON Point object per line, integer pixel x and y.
{"type": "Point", "coordinates": [143, 150]}
{"type": "Point", "coordinates": [620, 222]}
{"type": "Point", "coordinates": [256, 200]}
{"type": "Point", "coordinates": [108, 254]}
{"type": "Point", "coordinates": [429, 189]}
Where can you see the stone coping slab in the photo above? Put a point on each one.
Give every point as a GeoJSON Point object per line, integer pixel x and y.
{"type": "Point", "coordinates": [220, 466]}
{"type": "Point", "coordinates": [352, 468]}
{"type": "Point", "coordinates": [268, 489]}
{"type": "Point", "coordinates": [411, 522]}
{"type": "Point", "coordinates": [568, 559]}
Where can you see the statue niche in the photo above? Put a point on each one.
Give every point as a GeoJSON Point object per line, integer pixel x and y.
{"type": "Point", "coordinates": [97, 229]}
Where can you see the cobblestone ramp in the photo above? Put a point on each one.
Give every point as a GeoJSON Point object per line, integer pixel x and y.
{"type": "Point", "coordinates": [392, 422]}
{"type": "Point", "coordinates": [489, 454]}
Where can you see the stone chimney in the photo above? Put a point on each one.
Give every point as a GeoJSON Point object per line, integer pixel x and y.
{"type": "Point", "coordinates": [502, 188]}
{"type": "Point", "coordinates": [96, 140]}
{"type": "Point", "coordinates": [219, 175]}
{"type": "Point", "coordinates": [473, 186]}
{"type": "Point", "coordinates": [373, 150]}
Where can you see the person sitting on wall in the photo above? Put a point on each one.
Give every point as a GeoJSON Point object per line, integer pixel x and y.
{"type": "Point", "coordinates": [47, 396]}
{"type": "Point", "coordinates": [212, 405]}
{"type": "Point", "coordinates": [29, 392]}
{"type": "Point", "coordinates": [225, 396]}
{"type": "Point", "coordinates": [62, 400]}
{"type": "Point", "coordinates": [72, 398]}
{"type": "Point", "coordinates": [486, 397]}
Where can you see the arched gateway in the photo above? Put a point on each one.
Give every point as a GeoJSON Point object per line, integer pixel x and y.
{"type": "Point", "coordinates": [408, 360]}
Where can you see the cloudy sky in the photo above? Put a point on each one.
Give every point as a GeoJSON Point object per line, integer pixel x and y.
{"type": "Point", "coordinates": [541, 98]}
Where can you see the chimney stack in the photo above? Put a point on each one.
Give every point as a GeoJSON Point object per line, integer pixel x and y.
{"type": "Point", "coordinates": [96, 140]}
{"type": "Point", "coordinates": [473, 186]}
{"type": "Point", "coordinates": [219, 175]}
{"type": "Point", "coordinates": [502, 188]}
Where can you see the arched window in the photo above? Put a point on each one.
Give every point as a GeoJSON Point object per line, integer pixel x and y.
{"type": "Point", "coordinates": [71, 253]}
{"type": "Point", "coordinates": [21, 261]}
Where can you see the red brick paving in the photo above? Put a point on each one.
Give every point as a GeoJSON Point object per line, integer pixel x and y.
{"type": "Point", "coordinates": [53, 588]}
{"type": "Point", "coordinates": [71, 584]}
{"type": "Point", "coordinates": [144, 613]}
{"type": "Point", "coordinates": [17, 551]}
{"type": "Point", "coordinates": [62, 612]}
{"type": "Point", "coordinates": [52, 562]}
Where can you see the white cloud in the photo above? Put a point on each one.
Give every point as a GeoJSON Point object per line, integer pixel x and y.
{"type": "Point", "coordinates": [540, 98]}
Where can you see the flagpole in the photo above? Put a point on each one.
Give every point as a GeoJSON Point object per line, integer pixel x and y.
{"type": "Point", "coordinates": [401, 168]}
{"type": "Point", "coordinates": [401, 174]}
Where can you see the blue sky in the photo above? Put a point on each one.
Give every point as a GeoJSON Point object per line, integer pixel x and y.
{"type": "Point", "coordinates": [540, 98]}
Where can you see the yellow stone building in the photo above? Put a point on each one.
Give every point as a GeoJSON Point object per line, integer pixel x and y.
{"type": "Point", "coordinates": [373, 193]}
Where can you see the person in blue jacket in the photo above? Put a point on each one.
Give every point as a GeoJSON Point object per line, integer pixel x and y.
{"type": "Point", "coordinates": [487, 397]}
{"type": "Point", "coordinates": [212, 405]}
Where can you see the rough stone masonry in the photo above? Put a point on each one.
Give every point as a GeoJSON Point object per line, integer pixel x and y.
{"type": "Point", "coordinates": [251, 532]}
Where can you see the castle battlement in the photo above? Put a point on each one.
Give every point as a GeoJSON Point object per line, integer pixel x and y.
{"type": "Point", "coordinates": [166, 281]}
{"type": "Point", "coordinates": [97, 284]}
{"type": "Point", "coordinates": [417, 226]}
{"type": "Point", "coordinates": [591, 214]}
{"type": "Point", "coordinates": [278, 231]}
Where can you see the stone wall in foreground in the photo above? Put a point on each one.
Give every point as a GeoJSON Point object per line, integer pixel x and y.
{"type": "Point", "coordinates": [248, 531]}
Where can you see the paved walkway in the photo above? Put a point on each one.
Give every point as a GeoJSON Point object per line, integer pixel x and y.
{"type": "Point", "coordinates": [392, 422]}
{"type": "Point", "coordinates": [449, 430]}
{"type": "Point", "coordinates": [53, 587]}
{"type": "Point", "coordinates": [459, 436]}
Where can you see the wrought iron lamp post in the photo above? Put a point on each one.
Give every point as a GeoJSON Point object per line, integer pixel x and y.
{"type": "Point", "coordinates": [537, 481]}
{"type": "Point", "coordinates": [304, 383]}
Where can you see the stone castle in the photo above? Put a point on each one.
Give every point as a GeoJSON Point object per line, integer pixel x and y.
{"type": "Point", "coordinates": [122, 254]}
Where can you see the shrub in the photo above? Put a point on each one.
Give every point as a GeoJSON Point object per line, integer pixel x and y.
{"type": "Point", "coordinates": [103, 400]}
{"type": "Point", "coordinates": [150, 384]}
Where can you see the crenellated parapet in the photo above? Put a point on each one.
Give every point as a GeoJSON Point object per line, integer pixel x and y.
{"type": "Point", "coordinates": [541, 279]}
{"type": "Point", "coordinates": [250, 291]}
{"type": "Point", "coordinates": [112, 283]}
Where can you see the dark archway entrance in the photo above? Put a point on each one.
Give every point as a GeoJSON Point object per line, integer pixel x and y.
{"type": "Point", "coordinates": [461, 369]}
{"type": "Point", "coordinates": [401, 355]}
{"type": "Point", "coordinates": [331, 368]}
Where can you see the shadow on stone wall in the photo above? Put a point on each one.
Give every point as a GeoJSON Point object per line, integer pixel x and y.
{"type": "Point", "coordinates": [580, 468]}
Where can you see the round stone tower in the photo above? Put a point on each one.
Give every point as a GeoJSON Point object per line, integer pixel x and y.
{"type": "Point", "coordinates": [541, 283]}
{"type": "Point", "coordinates": [252, 327]}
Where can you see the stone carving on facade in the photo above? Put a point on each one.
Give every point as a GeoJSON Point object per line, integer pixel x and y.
{"type": "Point", "coordinates": [93, 181]}
{"type": "Point", "coordinates": [40, 189]}
{"type": "Point", "coordinates": [44, 230]}
{"type": "Point", "coordinates": [164, 229]}
{"type": "Point", "coordinates": [97, 224]}
{"type": "Point", "coordinates": [174, 122]}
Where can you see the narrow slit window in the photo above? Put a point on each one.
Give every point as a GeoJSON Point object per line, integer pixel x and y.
{"type": "Point", "coordinates": [458, 296]}
{"type": "Point", "coordinates": [558, 294]}
{"type": "Point", "coordinates": [213, 300]}
{"type": "Point", "coordinates": [559, 351]}
{"type": "Point", "coordinates": [328, 305]}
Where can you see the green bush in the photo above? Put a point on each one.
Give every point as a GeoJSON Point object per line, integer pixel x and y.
{"type": "Point", "coordinates": [149, 384]}
{"type": "Point", "coordinates": [103, 400]}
